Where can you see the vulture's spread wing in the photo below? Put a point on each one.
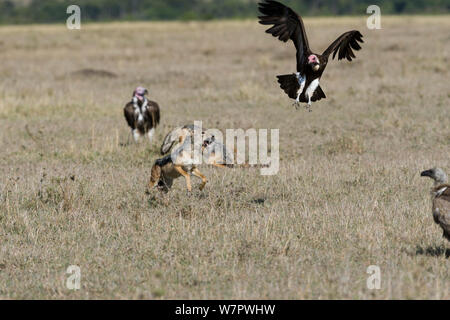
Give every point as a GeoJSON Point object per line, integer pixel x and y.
{"type": "Point", "coordinates": [345, 45]}
{"type": "Point", "coordinates": [286, 25]}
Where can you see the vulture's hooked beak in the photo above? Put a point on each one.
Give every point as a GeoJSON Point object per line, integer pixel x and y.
{"type": "Point", "coordinates": [427, 173]}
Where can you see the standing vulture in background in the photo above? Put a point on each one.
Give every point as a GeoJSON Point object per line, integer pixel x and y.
{"type": "Point", "coordinates": [441, 199]}
{"type": "Point", "coordinates": [303, 86]}
{"type": "Point", "coordinates": [142, 115]}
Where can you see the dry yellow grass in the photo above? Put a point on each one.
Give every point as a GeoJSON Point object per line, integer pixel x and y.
{"type": "Point", "coordinates": [348, 194]}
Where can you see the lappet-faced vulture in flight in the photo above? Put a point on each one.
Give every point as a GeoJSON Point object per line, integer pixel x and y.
{"type": "Point", "coordinates": [303, 86]}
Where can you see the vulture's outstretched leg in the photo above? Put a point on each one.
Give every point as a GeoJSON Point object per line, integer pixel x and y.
{"type": "Point", "coordinates": [296, 104]}
{"type": "Point", "coordinates": [301, 81]}
{"type": "Point", "coordinates": [308, 106]}
{"type": "Point", "coordinates": [310, 92]}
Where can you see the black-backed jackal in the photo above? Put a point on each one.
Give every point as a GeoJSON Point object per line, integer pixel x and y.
{"type": "Point", "coordinates": [180, 161]}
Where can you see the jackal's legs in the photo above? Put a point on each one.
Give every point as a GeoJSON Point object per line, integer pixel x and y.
{"type": "Point", "coordinates": [219, 165]}
{"type": "Point", "coordinates": [186, 176]}
{"type": "Point", "coordinates": [198, 174]}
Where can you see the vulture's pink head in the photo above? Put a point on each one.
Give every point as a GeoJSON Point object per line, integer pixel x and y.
{"type": "Point", "coordinates": [140, 92]}
{"type": "Point", "coordinates": [313, 60]}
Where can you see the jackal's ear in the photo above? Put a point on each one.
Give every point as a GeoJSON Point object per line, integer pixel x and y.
{"type": "Point", "coordinates": [155, 175]}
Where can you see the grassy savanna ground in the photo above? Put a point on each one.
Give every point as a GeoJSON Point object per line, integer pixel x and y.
{"type": "Point", "coordinates": [348, 194]}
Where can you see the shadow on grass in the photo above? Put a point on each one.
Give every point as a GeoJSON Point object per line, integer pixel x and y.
{"type": "Point", "coordinates": [433, 251]}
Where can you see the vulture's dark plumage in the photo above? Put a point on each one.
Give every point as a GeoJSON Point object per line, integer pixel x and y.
{"type": "Point", "coordinates": [303, 86]}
